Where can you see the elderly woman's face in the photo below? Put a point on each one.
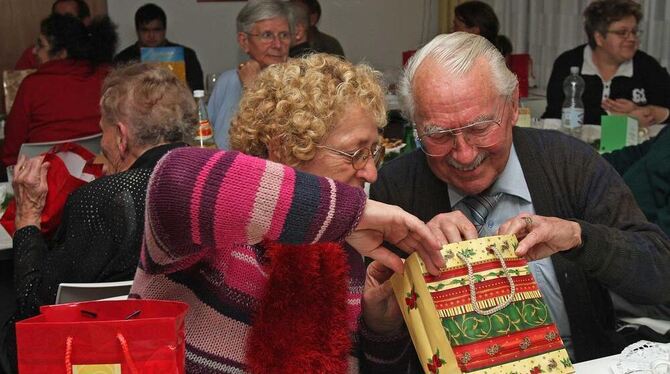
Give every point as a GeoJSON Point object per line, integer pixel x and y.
{"type": "Point", "coordinates": [268, 42]}
{"type": "Point", "coordinates": [619, 43]}
{"type": "Point", "coordinates": [356, 129]}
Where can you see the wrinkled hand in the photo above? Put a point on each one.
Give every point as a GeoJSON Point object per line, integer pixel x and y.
{"type": "Point", "coordinates": [452, 227]}
{"type": "Point", "coordinates": [30, 190]}
{"type": "Point", "coordinates": [381, 312]}
{"type": "Point", "coordinates": [248, 71]}
{"type": "Point", "coordinates": [381, 222]}
{"type": "Point", "coordinates": [540, 236]}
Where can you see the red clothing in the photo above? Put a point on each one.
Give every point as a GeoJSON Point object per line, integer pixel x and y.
{"type": "Point", "coordinates": [59, 101]}
{"type": "Point", "coordinates": [28, 60]}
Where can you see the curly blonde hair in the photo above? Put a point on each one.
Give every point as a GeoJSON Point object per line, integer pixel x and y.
{"type": "Point", "coordinates": [297, 104]}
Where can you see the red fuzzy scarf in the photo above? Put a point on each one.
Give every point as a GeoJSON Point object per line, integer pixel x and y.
{"type": "Point", "coordinates": [301, 325]}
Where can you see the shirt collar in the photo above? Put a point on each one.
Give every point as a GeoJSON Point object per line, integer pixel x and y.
{"type": "Point", "coordinates": [589, 68]}
{"type": "Point", "coordinates": [510, 182]}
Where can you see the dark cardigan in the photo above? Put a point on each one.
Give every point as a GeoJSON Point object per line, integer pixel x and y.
{"type": "Point", "coordinates": [566, 179]}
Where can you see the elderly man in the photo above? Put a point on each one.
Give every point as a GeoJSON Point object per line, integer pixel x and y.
{"type": "Point", "coordinates": [573, 213]}
{"type": "Point", "coordinates": [150, 26]}
{"type": "Point", "coordinates": [263, 33]}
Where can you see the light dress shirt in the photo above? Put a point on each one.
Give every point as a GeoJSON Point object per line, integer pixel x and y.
{"type": "Point", "coordinates": [223, 104]}
{"type": "Point", "coordinates": [516, 199]}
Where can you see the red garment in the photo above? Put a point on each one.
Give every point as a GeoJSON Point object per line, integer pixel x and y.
{"type": "Point", "coordinates": [28, 60]}
{"type": "Point", "coordinates": [59, 101]}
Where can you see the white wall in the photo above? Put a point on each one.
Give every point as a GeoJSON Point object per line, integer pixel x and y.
{"type": "Point", "coordinates": [376, 31]}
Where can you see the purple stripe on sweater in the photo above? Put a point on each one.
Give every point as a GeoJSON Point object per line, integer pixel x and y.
{"type": "Point", "coordinates": [196, 197]}
{"type": "Point", "coordinates": [322, 211]}
{"type": "Point", "coordinates": [350, 204]}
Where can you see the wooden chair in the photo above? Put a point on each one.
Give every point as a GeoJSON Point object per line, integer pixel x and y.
{"type": "Point", "coordinates": [11, 80]}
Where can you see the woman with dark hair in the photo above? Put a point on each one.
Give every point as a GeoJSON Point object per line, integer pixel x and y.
{"type": "Point", "coordinates": [60, 100]}
{"type": "Point", "coordinates": [620, 79]}
{"type": "Point", "coordinates": [477, 17]}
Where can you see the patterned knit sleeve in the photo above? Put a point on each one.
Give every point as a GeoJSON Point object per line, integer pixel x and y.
{"type": "Point", "coordinates": [201, 201]}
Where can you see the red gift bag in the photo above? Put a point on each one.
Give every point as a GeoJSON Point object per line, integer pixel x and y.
{"type": "Point", "coordinates": [126, 336]}
{"type": "Point", "coordinates": [71, 167]}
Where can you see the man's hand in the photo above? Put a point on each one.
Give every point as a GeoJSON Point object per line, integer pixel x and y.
{"type": "Point", "coordinates": [381, 312]}
{"type": "Point", "coordinates": [542, 236]}
{"type": "Point", "coordinates": [30, 190]}
{"type": "Point", "coordinates": [248, 71]}
{"type": "Point", "coordinates": [452, 227]}
{"type": "Point", "coordinates": [381, 222]}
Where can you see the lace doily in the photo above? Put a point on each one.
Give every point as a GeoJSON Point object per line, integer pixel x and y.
{"type": "Point", "coordinates": [644, 357]}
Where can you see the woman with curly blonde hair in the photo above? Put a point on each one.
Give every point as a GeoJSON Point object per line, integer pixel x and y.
{"type": "Point", "coordinates": [321, 115]}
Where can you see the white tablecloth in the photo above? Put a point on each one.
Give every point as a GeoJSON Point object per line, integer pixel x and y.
{"type": "Point", "coordinates": [598, 366]}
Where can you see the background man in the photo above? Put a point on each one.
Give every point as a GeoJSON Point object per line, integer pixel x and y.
{"type": "Point", "coordinates": [151, 25]}
{"type": "Point", "coordinates": [573, 213]}
{"type": "Point", "coordinates": [318, 41]}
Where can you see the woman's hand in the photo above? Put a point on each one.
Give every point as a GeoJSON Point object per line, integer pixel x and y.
{"type": "Point", "coordinates": [381, 312]}
{"type": "Point", "coordinates": [30, 190]}
{"type": "Point", "coordinates": [643, 114]}
{"type": "Point", "coordinates": [381, 222]}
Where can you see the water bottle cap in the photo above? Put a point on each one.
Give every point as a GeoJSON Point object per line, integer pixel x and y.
{"type": "Point", "coordinates": [198, 93]}
{"type": "Point", "coordinates": [574, 70]}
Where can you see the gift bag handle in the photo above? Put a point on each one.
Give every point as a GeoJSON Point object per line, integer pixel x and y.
{"type": "Point", "coordinates": [124, 348]}
{"type": "Point", "coordinates": [471, 283]}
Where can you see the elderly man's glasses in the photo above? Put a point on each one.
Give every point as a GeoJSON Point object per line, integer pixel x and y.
{"type": "Point", "coordinates": [437, 141]}
{"type": "Point", "coordinates": [360, 157]}
{"type": "Point", "coordinates": [269, 37]}
{"type": "Point", "coordinates": [624, 34]}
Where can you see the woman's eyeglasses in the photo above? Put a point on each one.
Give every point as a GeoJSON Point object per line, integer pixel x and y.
{"type": "Point", "coordinates": [624, 34]}
{"type": "Point", "coordinates": [359, 158]}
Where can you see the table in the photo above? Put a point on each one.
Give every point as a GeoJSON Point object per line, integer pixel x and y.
{"type": "Point", "coordinates": [598, 366]}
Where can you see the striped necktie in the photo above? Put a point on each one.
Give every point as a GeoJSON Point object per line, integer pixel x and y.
{"type": "Point", "coordinates": [480, 206]}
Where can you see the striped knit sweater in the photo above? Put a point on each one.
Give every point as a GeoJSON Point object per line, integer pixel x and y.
{"type": "Point", "coordinates": [209, 218]}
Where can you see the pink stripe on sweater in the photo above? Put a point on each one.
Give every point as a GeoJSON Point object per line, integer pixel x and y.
{"type": "Point", "coordinates": [235, 201]}
{"type": "Point", "coordinates": [197, 195]}
{"type": "Point", "coordinates": [284, 204]}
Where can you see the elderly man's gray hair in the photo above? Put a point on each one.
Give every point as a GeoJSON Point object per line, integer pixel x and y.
{"type": "Point", "coordinates": [255, 11]}
{"type": "Point", "coordinates": [456, 53]}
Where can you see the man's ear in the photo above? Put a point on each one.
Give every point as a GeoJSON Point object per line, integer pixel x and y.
{"type": "Point", "coordinates": [514, 106]}
{"type": "Point", "coordinates": [243, 41]}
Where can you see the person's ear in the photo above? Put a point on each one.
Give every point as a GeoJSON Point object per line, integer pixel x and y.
{"type": "Point", "coordinates": [514, 106]}
{"type": "Point", "coordinates": [122, 138]}
{"type": "Point", "coordinates": [599, 38]}
{"type": "Point", "coordinates": [243, 41]}
{"type": "Point", "coordinates": [274, 148]}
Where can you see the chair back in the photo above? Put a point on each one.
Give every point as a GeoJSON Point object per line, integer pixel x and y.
{"type": "Point", "coordinates": [11, 80]}
{"type": "Point", "coordinates": [71, 292]}
{"type": "Point", "coordinates": [91, 142]}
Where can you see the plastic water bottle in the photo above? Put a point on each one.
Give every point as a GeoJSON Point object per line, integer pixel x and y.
{"type": "Point", "coordinates": [203, 135]}
{"type": "Point", "coordinates": [573, 108]}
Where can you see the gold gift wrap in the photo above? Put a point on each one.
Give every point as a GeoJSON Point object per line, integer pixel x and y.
{"type": "Point", "coordinates": [483, 313]}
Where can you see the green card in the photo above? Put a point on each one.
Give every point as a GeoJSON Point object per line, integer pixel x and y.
{"type": "Point", "coordinates": [617, 132]}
